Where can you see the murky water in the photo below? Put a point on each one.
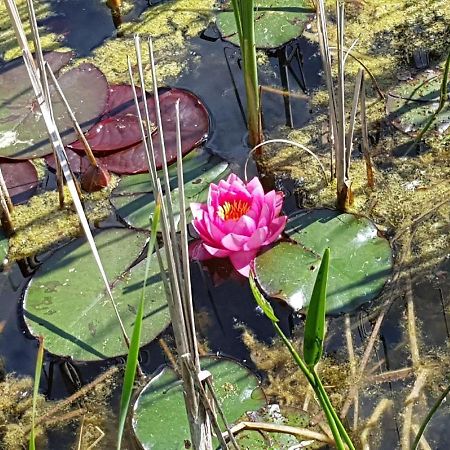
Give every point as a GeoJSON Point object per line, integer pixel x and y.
{"type": "Point", "coordinates": [223, 300]}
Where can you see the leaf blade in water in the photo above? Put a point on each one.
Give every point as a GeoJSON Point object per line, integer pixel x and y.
{"type": "Point", "coordinates": [37, 379]}
{"type": "Point", "coordinates": [315, 320]}
{"type": "Point", "coordinates": [133, 352]}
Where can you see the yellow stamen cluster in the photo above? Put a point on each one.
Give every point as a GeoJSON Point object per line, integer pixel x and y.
{"type": "Point", "coordinates": [233, 210]}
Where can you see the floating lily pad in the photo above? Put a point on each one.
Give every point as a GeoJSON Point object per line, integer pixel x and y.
{"type": "Point", "coordinates": [134, 201]}
{"type": "Point", "coordinates": [119, 127]}
{"type": "Point", "coordinates": [3, 246]}
{"type": "Point", "coordinates": [360, 264]}
{"type": "Point", "coordinates": [254, 439]}
{"type": "Point", "coordinates": [21, 179]}
{"type": "Point", "coordinates": [276, 22]}
{"type": "Point", "coordinates": [66, 300]}
{"type": "Point", "coordinates": [159, 417]}
{"type": "Point", "coordinates": [411, 104]}
{"type": "Point", "coordinates": [22, 131]}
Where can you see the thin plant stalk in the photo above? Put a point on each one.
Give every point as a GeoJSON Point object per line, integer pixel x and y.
{"type": "Point", "coordinates": [37, 379]}
{"type": "Point", "coordinates": [244, 14]}
{"type": "Point", "coordinates": [313, 347]}
{"type": "Point", "coordinates": [133, 352]}
{"type": "Point", "coordinates": [429, 416]}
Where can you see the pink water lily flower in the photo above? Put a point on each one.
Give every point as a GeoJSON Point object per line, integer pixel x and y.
{"type": "Point", "coordinates": [238, 220]}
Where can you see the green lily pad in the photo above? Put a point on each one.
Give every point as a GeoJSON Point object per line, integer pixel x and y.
{"type": "Point", "coordinates": [360, 264]}
{"type": "Point", "coordinates": [66, 300]}
{"type": "Point", "coordinates": [159, 416]}
{"type": "Point", "coordinates": [411, 104]}
{"type": "Point", "coordinates": [253, 439]}
{"type": "Point", "coordinates": [134, 201]}
{"type": "Point", "coordinates": [3, 246]}
{"type": "Point", "coordinates": [276, 22]}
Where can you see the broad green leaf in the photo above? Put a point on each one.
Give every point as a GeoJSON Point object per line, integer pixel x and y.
{"type": "Point", "coordinates": [66, 300]}
{"type": "Point", "coordinates": [276, 21]}
{"type": "Point", "coordinates": [315, 319]}
{"type": "Point", "coordinates": [133, 351]}
{"type": "Point", "coordinates": [134, 201]}
{"type": "Point", "coordinates": [361, 264]}
{"type": "Point", "coordinates": [410, 106]}
{"type": "Point", "coordinates": [37, 380]}
{"type": "Point", "coordinates": [159, 419]}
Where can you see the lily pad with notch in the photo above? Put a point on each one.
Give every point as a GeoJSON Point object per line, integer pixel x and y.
{"type": "Point", "coordinates": [159, 415]}
{"type": "Point", "coordinates": [360, 263]}
{"type": "Point", "coordinates": [21, 179]}
{"type": "Point", "coordinates": [276, 22]}
{"type": "Point", "coordinates": [66, 300]}
{"type": "Point", "coordinates": [134, 201]}
{"type": "Point", "coordinates": [410, 105]}
{"type": "Point", "coordinates": [23, 134]}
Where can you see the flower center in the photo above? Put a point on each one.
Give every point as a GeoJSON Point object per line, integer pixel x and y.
{"type": "Point", "coordinates": [233, 210]}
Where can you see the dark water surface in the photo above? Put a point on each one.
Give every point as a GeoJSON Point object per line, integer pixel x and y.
{"type": "Point", "coordinates": [221, 296]}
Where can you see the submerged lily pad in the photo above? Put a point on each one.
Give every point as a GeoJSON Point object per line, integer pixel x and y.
{"type": "Point", "coordinates": [66, 300]}
{"type": "Point", "coordinates": [276, 22]}
{"type": "Point", "coordinates": [21, 179]}
{"type": "Point", "coordinates": [159, 417]}
{"type": "Point", "coordinates": [254, 439]}
{"type": "Point", "coordinates": [23, 134]}
{"type": "Point", "coordinates": [134, 201]}
{"type": "Point", "coordinates": [360, 264]}
{"type": "Point", "coordinates": [411, 104]}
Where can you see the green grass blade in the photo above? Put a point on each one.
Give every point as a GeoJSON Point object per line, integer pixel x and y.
{"type": "Point", "coordinates": [315, 319]}
{"type": "Point", "coordinates": [37, 379]}
{"type": "Point", "coordinates": [429, 417]}
{"type": "Point", "coordinates": [133, 352]}
{"type": "Point", "coordinates": [262, 302]}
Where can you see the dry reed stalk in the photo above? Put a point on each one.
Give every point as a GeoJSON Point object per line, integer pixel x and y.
{"type": "Point", "coordinates": [374, 421]}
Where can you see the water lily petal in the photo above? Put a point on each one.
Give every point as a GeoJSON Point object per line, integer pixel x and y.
{"type": "Point", "coordinates": [197, 209]}
{"type": "Point", "coordinates": [257, 240]}
{"type": "Point", "coordinates": [234, 242]}
{"type": "Point", "coordinates": [217, 252]}
{"type": "Point", "coordinates": [197, 251]}
{"type": "Point", "coordinates": [241, 261]}
{"type": "Point", "coordinates": [255, 188]}
{"type": "Point", "coordinates": [275, 229]}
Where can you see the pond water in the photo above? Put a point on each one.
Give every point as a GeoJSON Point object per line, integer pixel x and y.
{"type": "Point", "coordinates": [223, 300]}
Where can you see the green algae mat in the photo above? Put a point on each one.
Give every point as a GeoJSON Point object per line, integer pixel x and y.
{"type": "Point", "coordinates": [134, 201]}
{"type": "Point", "coordinates": [360, 260]}
{"type": "Point", "coordinates": [159, 416]}
{"type": "Point", "coordinates": [276, 22]}
{"type": "Point", "coordinates": [66, 301]}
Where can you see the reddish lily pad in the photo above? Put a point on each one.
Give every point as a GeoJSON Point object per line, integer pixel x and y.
{"type": "Point", "coordinates": [21, 179]}
{"type": "Point", "coordinates": [194, 121]}
{"type": "Point", "coordinates": [23, 134]}
{"type": "Point", "coordinates": [119, 127]}
{"type": "Point", "coordinates": [78, 162]}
